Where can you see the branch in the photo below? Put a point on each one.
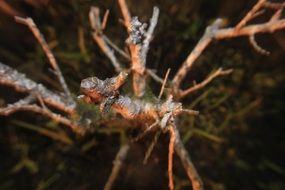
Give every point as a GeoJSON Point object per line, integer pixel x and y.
{"type": "Point", "coordinates": [164, 83]}
{"type": "Point", "coordinates": [138, 44]}
{"type": "Point", "coordinates": [154, 76]}
{"type": "Point", "coordinates": [213, 32]}
{"type": "Point", "coordinates": [267, 27]}
{"type": "Point", "coordinates": [217, 73]}
{"type": "Point", "coordinates": [138, 68]}
{"type": "Point", "coordinates": [255, 45]}
{"type": "Point", "coordinates": [27, 105]}
{"type": "Point", "coordinates": [12, 108]}
{"type": "Point", "coordinates": [21, 83]}
{"type": "Point", "coordinates": [271, 5]}
{"type": "Point", "coordinates": [105, 19]}
{"type": "Point", "coordinates": [152, 144]}
{"type": "Point", "coordinates": [199, 48]}
{"type": "Point", "coordinates": [187, 163]}
{"type": "Point", "coordinates": [171, 148]}
{"type": "Point", "coordinates": [32, 26]}
{"type": "Point", "coordinates": [148, 35]}
{"type": "Point", "coordinates": [125, 12]}
{"type": "Point", "coordinates": [251, 14]}
{"type": "Point", "coordinates": [95, 21]}
{"type": "Point", "coordinates": [120, 157]}
{"type": "Point", "coordinates": [98, 91]}
{"type": "Point", "coordinates": [116, 48]}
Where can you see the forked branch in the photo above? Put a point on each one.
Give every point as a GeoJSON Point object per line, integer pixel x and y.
{"type": "Point", "coordinates": [217, 73]}
{"type": "Point", "coordinates": [37, 92]}
{"type": "Point", "coordinates": [159, 115]}
{"type": "Point", "coordinates": [199, 48]}
{"type": "Point", "coordinates": [27, 105]}
{"type": "Point", "coordinates": [98, 27]}
{"type": "Point", "coordinates": [138, 44]}
{"type": "Point", "coordinates": [21, 83]}
{"type": "Point", "coordinates": [213, 32]}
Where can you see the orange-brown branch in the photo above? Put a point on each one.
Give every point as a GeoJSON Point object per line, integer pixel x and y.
{"type": "Point", "coordinates": [98, 27]}
{"type": "Point", "coordinates": [186, 161]}
{"type": "Point", "coordinates": [213, 32]}
{"type": "Point", "coordinates": [217, 73]}
{"type": "Point", "coordinates": [138, 44]}
{"type": "Point", "coordinates": [171, 148]}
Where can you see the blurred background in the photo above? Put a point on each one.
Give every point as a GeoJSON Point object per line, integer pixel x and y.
{"type": "Point", "coordinates": [237, 141]}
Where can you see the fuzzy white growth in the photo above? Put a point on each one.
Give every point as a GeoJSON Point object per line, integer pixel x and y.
{"type": "Point", "coordinates": [137, 31]}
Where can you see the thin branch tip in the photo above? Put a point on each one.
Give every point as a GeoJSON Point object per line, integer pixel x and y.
{"type": "Point", "coordinates": [191, 112]}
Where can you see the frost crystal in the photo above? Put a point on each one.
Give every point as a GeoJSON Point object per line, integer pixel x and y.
{"type": "Point", "coordinates": [138, 30]}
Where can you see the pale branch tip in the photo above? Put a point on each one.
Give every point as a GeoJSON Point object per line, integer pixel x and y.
{"type": "Point", "coordinates": [255, 46]}
{"type": "Point", "coordinates": [191, 112]}
{"type": "Point", "coordinates": [36, 93]}
{"type": "Point", "coordinates": [149, 34]}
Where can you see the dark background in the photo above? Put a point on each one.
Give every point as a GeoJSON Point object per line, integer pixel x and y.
{"type": "Point", "coordinates": [237, 141]}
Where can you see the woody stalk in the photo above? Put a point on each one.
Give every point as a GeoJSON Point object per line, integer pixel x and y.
{"type": "Point", "coordinates": [160, 116]}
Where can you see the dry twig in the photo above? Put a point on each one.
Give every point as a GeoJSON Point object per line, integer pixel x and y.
{"type": "Point", "coordinates": [120, 157]}
{"type": "Point", "coordinates": [154, 76]}
{"type": "Point", "coordinates": [187, 163]}
{"type": "Point", "coordinates": [217, 73]}
{"type": "Point", "coordinates": [213, 32]}
{"type": "Point", "coordinates": [199, 48]}
{"type": "Point", "coordinates": [96, 90]}
{"type": "Point", "coordinates": [98, 27]}
{"type": "Point", "coordinates": [149, 33]}
{"type": "Point", "coordinates": [21, 83]}
{"type": "Point", "coordinates": [32, 26]}
{"type": "Point", "coordinates": [163, 84]}
{"type": "Point", "coordinates": [27, 104]}
{"type": "Point", "coordinates": [170, 156]}
{"type": "Point", "coordinates": [106, 92]}
{"type": "Point", "coordinates": [251, 14]}
{"type": "Point", "coordinates": [138, 43]}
